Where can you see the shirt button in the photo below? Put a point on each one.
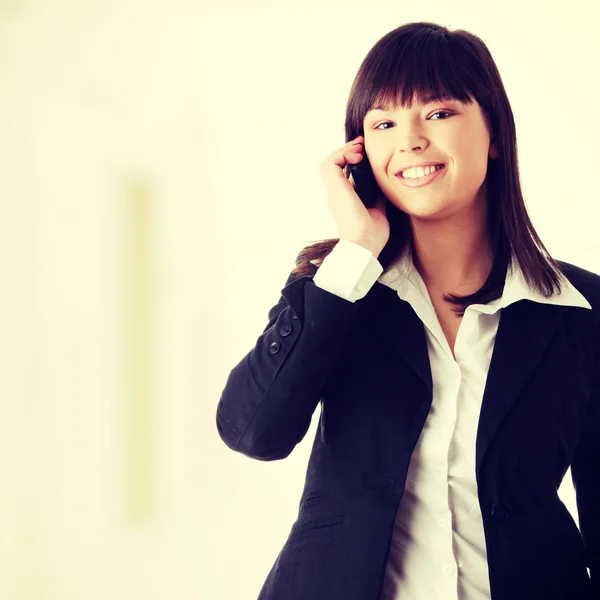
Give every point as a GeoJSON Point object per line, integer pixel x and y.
{"type": "Point", "coordinates": [444, 521]}
{"type": "Point", "coordinates": [448, 569]}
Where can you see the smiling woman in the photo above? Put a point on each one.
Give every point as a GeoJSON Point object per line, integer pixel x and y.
{"type": "Point", "coordinates": [442, 440]}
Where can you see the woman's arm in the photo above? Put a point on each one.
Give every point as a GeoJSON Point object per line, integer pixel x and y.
{"type": "Point", "coordinates": [270, 396]}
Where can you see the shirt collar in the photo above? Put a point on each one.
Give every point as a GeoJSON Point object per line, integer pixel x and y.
{"type": "Point", "coordinates": [403, 276]}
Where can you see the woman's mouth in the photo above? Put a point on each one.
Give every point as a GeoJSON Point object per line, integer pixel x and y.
{"type": "Point", "coordinates": [421, 181]}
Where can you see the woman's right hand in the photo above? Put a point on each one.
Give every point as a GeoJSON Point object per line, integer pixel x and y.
{"type": "Point", "coordinates": [368, 227]}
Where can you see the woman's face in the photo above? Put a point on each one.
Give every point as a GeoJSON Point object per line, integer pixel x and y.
{"type": "Point", "coordinates": [458, 136]}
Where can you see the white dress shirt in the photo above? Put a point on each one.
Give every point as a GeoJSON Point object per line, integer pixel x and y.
{"type": "Point", "coordinates": [438, 547]}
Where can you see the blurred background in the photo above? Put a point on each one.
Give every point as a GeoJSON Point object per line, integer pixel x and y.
{"type": "Point", "coordinates": [158, 177]}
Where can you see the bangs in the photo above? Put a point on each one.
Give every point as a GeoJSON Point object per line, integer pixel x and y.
{"type": "Point", "coordinates": [421, 68]}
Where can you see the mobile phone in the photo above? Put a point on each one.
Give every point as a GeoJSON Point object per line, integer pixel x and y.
{"type": "Point", "coordinates": [364, 182]}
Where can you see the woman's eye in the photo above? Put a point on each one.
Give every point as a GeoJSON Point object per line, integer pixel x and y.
{"type": "Point", "coordinates": [439, 112]}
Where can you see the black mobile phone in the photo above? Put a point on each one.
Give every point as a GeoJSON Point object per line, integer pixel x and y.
{"type": "Point", "coordinates": [364, 182]}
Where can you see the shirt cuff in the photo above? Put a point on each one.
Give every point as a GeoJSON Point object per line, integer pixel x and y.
{"type": "Point", "coordinates": [348, 271]}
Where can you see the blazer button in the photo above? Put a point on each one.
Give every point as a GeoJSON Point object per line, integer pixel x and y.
{"type": "Point", "coordinates": [274, 347]}
{"type": "Point", "coordinates": [285, 330]}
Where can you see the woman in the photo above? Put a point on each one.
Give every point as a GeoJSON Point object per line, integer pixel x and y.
{"type": "Point", "coordinates": [455, 361]}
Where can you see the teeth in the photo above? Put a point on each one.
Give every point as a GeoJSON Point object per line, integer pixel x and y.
{"type": "Point", "coordinates": [418, 172]}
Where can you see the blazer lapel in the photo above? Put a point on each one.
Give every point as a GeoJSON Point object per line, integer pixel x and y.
{"type": "Point", "coordinates": [524, 332]}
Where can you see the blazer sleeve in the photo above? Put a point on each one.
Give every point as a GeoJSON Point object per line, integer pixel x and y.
{"type": "Point", "coordinates": [585, 473]}
{"type": "Point", "coordinates": [270, 396]}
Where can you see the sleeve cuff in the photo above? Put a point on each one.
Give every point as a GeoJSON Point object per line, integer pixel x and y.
{"type": "Point", "coordinates": [348, 271]}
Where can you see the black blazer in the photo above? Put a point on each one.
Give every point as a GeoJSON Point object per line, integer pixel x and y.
{"type": "Point", "coordinates": [540, 414]}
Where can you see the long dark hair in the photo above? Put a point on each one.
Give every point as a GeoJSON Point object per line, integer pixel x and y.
{"type": "Point", "coordinates": [418, 59]}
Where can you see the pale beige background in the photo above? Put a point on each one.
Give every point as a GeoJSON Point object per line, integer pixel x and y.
{"type": "Point", "coordinates": [158, 176]}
